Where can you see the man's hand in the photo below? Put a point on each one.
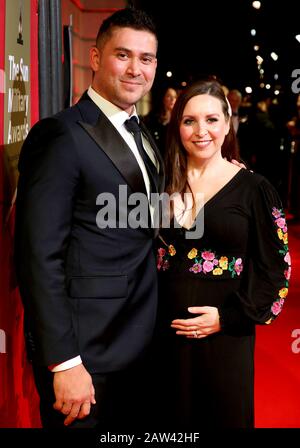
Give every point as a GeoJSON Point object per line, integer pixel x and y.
{"type": "Point", "coordinates": [74, 393]}
{"type": "Point", "coordinates": [235, 162]}
{"type": "Point", "coordinates": [240, 164]}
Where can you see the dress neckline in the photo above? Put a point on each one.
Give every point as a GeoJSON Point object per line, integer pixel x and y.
{"type": "Point", "coordinates": [215, 197]}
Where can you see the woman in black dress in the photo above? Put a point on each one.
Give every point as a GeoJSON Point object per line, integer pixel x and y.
{"type": "Point", "coordinates": [216, 287]}
{"type": "Point", "coordinates": [157, 119]}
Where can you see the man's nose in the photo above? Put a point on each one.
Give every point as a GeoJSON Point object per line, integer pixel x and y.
{"type": "Point", "coordinates": [134, 67]}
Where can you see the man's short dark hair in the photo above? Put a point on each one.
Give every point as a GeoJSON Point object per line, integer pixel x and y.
{"type": "Point", "coordinates": [125, 18]}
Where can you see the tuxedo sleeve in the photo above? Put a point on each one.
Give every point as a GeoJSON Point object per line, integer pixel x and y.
{"type": "Point", "coordinates": [49, 176]}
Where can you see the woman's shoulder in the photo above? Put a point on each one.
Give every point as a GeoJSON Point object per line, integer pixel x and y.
{"type": "Point", "coordinates": [254, 179]}
{"type": "Point", "coordinates": [255, 188]}
{"type": "Point", "coordinates": [261, 190]}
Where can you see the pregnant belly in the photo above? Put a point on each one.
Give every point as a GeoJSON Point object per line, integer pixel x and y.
{"type": "Point", "coordinates": [177, 293]}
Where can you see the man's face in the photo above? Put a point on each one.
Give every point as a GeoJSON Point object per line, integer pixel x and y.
{"type": "Point", "coordinates": [124, 66]}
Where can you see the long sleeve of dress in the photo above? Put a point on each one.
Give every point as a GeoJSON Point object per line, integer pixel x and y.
{"type": "Point", "coordinates": [268, 268]}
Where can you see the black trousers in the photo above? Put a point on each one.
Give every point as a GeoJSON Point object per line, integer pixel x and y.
{"type": "Point", "coordinates": [122, 400]}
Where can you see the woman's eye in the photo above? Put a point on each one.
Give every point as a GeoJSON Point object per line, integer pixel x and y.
{"type": "Point", "coordinates": [187, 121]}
{"type": "Point", "coordinates": [212, 120]}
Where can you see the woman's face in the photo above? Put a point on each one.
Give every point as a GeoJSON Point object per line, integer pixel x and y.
{"type": "Point", "coordinates": [169, 99]}
{"type": "Point", "coordinates": [203, 127]}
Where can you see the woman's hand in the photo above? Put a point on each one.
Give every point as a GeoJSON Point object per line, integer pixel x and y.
{"type": "Point", "coordinates": [207, 322]}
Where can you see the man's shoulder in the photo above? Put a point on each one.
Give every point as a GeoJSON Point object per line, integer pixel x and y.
{"type": "Point", "coordinates": [59, 121]}
{"type": "Point", "coordinates": [70, 114]}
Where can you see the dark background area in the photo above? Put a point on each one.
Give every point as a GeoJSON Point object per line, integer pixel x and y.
{"type": "Point", "coordinates": [199, 38]}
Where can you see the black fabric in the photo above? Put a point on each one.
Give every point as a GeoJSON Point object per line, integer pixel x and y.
{"type": "Point", "coordinates": [209, 382]}
{"type": "Point", "coordinates": [104, 287]}
{"type": "Point", "coordinates": [133, 127]}
{"type": "Point", "coordinates": [84, 287]}
{"type": "Point", "coordinates": [120, 400]}
{"type": "Point", "coordinates": [88, 289]}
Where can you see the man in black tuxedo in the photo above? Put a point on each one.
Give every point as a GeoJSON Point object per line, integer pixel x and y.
{"type": "Point", "coordinates": [89, 290]}
{"type": "Point", "coordinates": [234, 97]}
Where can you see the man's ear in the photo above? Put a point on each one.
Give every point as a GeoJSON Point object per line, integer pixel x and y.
{"type": "Point", "coordinates": [94, 59]}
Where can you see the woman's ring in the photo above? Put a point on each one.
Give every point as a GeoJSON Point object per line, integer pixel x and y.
{"type": "Point", "coordinates": [195, 333]}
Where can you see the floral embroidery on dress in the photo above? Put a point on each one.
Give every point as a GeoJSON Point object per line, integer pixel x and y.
{"type": "Point", "coordinates": [280, 222]}
{"type": "Point", "coordinates": [163, 256]}
{"type": "Point", "coordinates": [207, 261]}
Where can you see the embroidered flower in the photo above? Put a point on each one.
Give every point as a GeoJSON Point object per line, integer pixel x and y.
{"type": "Point", "coordinates": [280, 234]}
{"type": "Point", "coordinates": [287, 273]}
{"type": "Point", "coordinates": [206, 255]}
{"type": "Point", "coordinates": [166, 265]}
{"type": "Point", "coordinates": [280, 222]}
{"type": "Point", "coordinates": [172, 250]}
{"type": "Point", "coordinates": [238, 266]}
{"type": "Point", "coordinates": [283, 293]}
{"type": "Point", "coordinates": [162, 262]}
{"type": "Point", "coordinates": [159, 263]}
{"type": "Point", "coordinates": [277, 306]}
{"type": "Point", "coordinates": [207, 266]}
{"type": "Point", "coordinates": [161, 252]}
{"type": "Point", "coordinates": [163, 255]}
{"type": "Point", "coordinates": [235, 266]}
{"type": "Point", "coordinates": [208, 262]}
{"type": "Point", "coordinates": [196, 268]}
{"type": "Point", "coordinates": [287, 258]}
{"type": "Point", "coordinates": [192, 253]}
{"type": "Point", "coordinates": [223, 263]}
{"type": "Point", "coordinates": [276, 212]}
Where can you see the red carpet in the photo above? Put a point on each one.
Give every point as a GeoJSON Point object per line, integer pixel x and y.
{"type": "Point", "coordinates": [277, 381]}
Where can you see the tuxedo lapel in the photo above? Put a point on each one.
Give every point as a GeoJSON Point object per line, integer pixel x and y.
{"type": "Point", "coordinates": [157, 154]}
{"type": "Point", "coordinates": [111, 143]}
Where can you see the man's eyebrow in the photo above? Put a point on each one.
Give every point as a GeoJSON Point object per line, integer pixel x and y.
{"type": "Point", "coordinates": [122, 49]}
{"type": "Point", "coordinates": [127, 50]}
